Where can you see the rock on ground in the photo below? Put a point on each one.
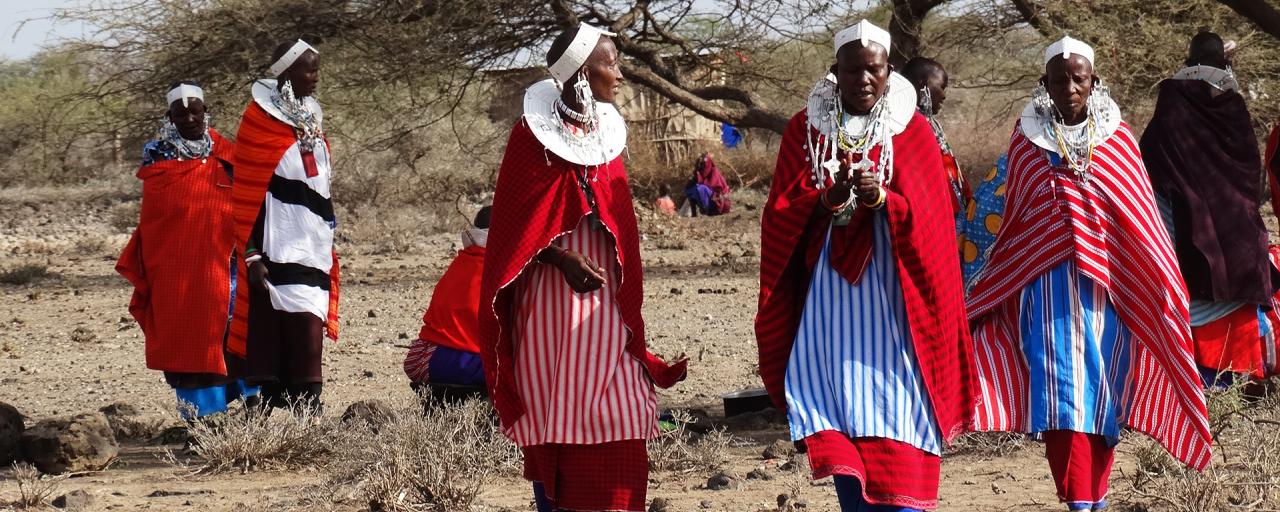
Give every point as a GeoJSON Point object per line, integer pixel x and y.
{"type": "Point", "coordinates": [374, 412]}
{"type": "Point", "coordinates": [11, 428]}
{"type": "Point", "coordinates": [128, 421]}
{"type": "Point", "coordinates": [780, 449]}
{"type": "Point", "coordinates": [83, 442]}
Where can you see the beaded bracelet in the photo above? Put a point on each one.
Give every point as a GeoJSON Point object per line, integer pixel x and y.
{"type": "Point", "coordinates": [827, 203]}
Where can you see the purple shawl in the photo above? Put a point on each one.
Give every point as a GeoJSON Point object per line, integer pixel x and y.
{"type": "Point", "coordinates": [1202, 156]}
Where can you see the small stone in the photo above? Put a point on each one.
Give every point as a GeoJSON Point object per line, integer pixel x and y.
{"type": "Point", "coordinates": [722, 481]}
{"type": "Point", "coordinates": [373, 314]}
{"type": "Point", "coordinates": [74, 500]}
{"type": "Point", "coordinates": [759, 474]}
{"type": "Point", "coordinates": [83, 335]}
{"type": "Point", "coordinates": [368, 374]}
{"type": "Point", "coordinates": [677, 291]}
{"type": "Point", "coordinates": [780, 449]}
{"type": "Point", "coordinates": [403, 336]}
{"type": "Point", "coordinates": [131, 422]}
{"type": "Point", "coordinates": [373, 412]}
{"type": "Point", "coordinates": [995, 489]}
{"type": "Point", "coordinates": [660, 505]}
{"type": "Point", "coordinates": [83, 442]}
{"type": "Point", "coordinates": [706, 504]}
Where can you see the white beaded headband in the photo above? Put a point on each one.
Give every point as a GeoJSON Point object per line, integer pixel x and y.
{"type": "Point", "coordinates": [184, 92]}
{"type": "Point", "coordinates": [1066, 47]}
{"type": "Point", "coordinates": [282, 64]}
{"type": "Point", "coordinates": [584, 42]}
{"type": "Point", "coordinates": [864, 32]}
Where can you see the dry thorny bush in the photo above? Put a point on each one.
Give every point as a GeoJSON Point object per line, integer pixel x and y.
{"type": "Point", "coordinates": [34, 489]}
{"type": "Point", "coordinates": [988, 444]}
{"type": "Point", "coordinates": [437, 461]}
{"type": "Point", "coordinates": [680, 449]}
{"type": "Point", "coordinates": [253, 439]}
{"type": "Point", "coordinates": [1244, 475]}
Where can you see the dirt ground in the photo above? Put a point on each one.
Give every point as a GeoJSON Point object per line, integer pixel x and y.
{"type": "Point", "coordinates": [68, 345]}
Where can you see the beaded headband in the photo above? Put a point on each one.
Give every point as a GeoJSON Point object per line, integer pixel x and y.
{"type": "Point", "coordinates": [864, 32]}
{"type": "Point", "coordinates": [1066, 47]}
{"type": "Point", "coordinates": [584, 42]}
{"type": "Point", "coordinates": [183, 92]}
{"type": "Point", "coordinates": [282, 64]}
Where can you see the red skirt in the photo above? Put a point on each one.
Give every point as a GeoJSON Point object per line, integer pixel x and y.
{"type": "Point", "coordinates": [591, 477]}
{"type": "Point", "coordinates": [1231, 343]}
{"type": "Point", "coordinates": [1080, 463]}
{"type": "Point", "coordinates": [892, 472]}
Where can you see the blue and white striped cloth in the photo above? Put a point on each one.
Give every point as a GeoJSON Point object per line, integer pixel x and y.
{"type": "Point", "coordinates": [1078, 355]}
{"type": "Point", "coordinates": [853, 368]}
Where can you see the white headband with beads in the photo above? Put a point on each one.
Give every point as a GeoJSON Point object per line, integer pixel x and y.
{"type": "Point", "coordinates": [584, 42]}
{"type": "Point", "coordinates": [184, 92]}
{"type": "Point", "coordinates": [282, 64]}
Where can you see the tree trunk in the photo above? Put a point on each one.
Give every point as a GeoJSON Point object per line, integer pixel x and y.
{"type": "Point", "coordinates": [906, 29]}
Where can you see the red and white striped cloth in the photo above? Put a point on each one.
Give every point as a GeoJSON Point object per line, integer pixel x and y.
{"type": "Point", "coordinates": [1112, 230]}
{"type": "Point", "coordinates": [577, 383]}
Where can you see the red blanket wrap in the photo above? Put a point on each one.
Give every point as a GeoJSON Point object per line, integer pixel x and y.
{"type": "Point", "coordinates": [178, 261]}
{"type": "Point", "coordinates": [450, 320]}
{"type": "Point", "coordinates": [922, 228]}
{"type": "Point", "coordinates": [537, 199]}
{"type": "Point", "coordinates": [260, 144]}
{"type": "Point", "coordinates": [1112, 230]}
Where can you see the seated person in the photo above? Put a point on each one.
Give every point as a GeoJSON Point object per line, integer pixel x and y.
{"type": "Point", "coordinates": [664, 204]}
{"type": "Point", "coordinates": [444, 362]}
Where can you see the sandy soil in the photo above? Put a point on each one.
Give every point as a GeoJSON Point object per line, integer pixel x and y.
{"type": "Point", "coordinates": [68, 346]}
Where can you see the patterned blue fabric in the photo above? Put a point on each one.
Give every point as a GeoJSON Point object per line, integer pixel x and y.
{"type": "Point", "coordinates": [157, 151]}
{"type": "Point", "coordinates": [1078, 354]}
{"type": "Point", "coordinates": [981, 222]}
{"type": "Point", "coordinates": [853, 368]}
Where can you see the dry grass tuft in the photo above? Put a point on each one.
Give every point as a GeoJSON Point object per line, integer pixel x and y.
{"type": "Point", "coordinates": [1245, 473]}
{"type": "Point", "coordinates": [437, 462]}
{"type": "Point", "coordinates": [255, 440]}
{"type": "Point", "coordinates": [24, 274]}
{"type": "Point", "coordinates": [988, 444]}
{"type": "Point", "coordinates": [34, 489]}
{"type": "Point", "coordinates": [682, 450]}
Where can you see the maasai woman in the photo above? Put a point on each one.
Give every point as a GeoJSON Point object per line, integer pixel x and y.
{"type": "Point", "coordinates": [561, 333]}
{"type": "Point", "coordinates": [444, 363]}
{"type": "Point", "coordinates": [861, 325]}
{"type": "Point", "coordinates": [929, 79]}
{"type": "Point", "coordinates": [1080, 317]}
{"type": "Point", "coordinates": [284, 223]}
{"type": "Point", "coordinates": [1202, 156]}
{"type": "Point", "coordinates": [710, 190]}
{"type": "Point", "coordinates": [181, 259]}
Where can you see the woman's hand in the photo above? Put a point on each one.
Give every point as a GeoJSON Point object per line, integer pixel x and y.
{"type": "Point", "coordinates": [868, 185]}
{"type": "Point", "coordinates": [258, 275]}
{"type": "Point", "coordinates": [582, 274]}
{"type": "Point", "coordinates": [839, 191]}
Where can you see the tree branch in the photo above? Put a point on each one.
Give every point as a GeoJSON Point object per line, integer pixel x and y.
{"type": "Point", "coordinates": [1030, 13]}
{"type": "Point", "coordinates": [1262, 14]}
{"type": "Point", "coordinates": [746, 117]}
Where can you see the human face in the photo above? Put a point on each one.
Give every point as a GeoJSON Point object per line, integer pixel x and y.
{"type": "Point", "coordinates": [604, 71]}
{"type": "Point", "coordinates": [189, 119]}
{"type": "Point", "coordinates": [937, 85]}
{"type": "Point", "coordinates": [862, 75]}
{"type": "Point", "coordinates": [304, 74]}
{"type": "Point", "coordinates": [1070, 82]}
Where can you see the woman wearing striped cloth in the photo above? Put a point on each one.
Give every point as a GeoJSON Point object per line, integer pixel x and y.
{"type": "Point", "coordinates": [284, 223]}
{"type": "Point", "coordinates": [1080, 315]}
{"type": "Point", "coordinates": [560, 329]}
{"type": "Point", "coordinates": [861, 326]}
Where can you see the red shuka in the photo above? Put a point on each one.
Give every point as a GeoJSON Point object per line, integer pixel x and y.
{"type": "Point", "coordinates": [538, 199]}
{"type": "Point", "coordinates": [179, 261]}
{"type": "Point", "coordinates": [922, 228]}
{"type": "Point", "coordinates": [450, 320]}
{"type": "Point", "coordinates": [260, 144]}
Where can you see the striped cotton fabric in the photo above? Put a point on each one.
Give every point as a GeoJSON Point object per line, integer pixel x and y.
{"type": "Point", "coordinates": [1110, 228]}
{"type": "Point", "coordinates": [297, 234]}
{"type": "Point", "coordinates": [576, 381]}
{"type": "Point", "coordinates": [853, 368]}
{"type": "Point", "coordinates": [1077, 355]}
